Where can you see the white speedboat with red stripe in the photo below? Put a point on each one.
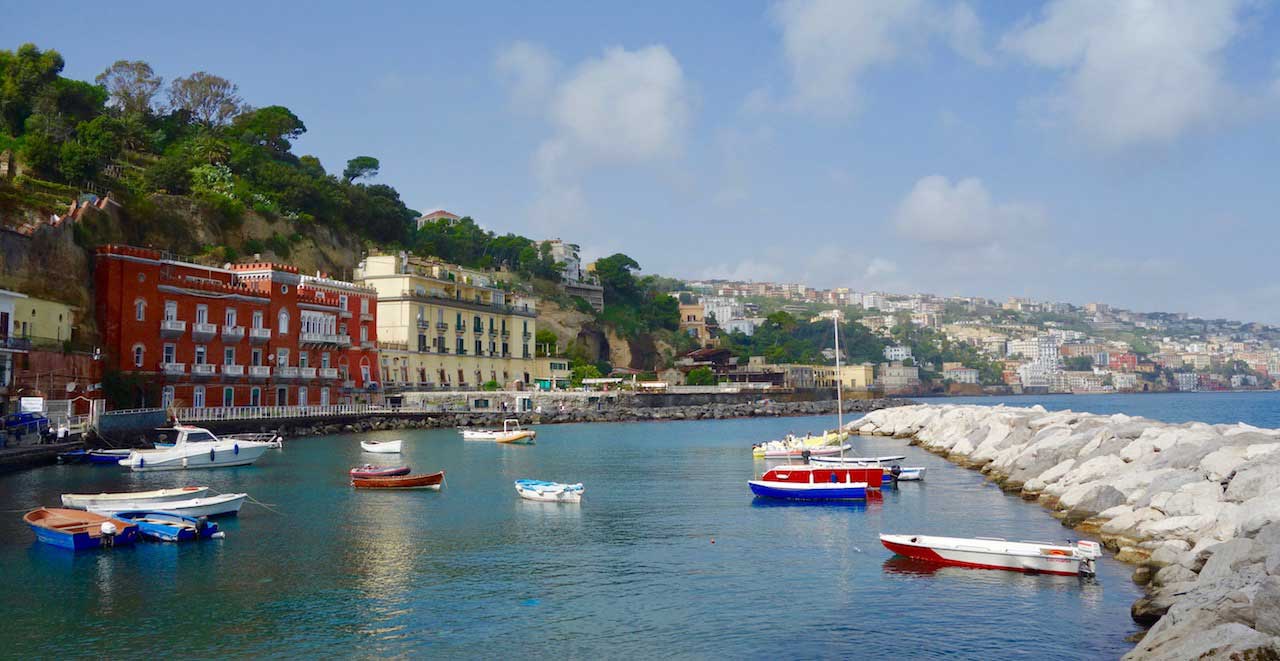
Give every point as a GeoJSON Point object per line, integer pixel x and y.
{"type": "Point", "coordinates": [995, 553]}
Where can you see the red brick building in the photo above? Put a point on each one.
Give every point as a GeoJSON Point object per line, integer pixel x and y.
{"type": "Point", "coordinates": [1122, 361]}
{"type": "Point", "coordinates": [246, 335]}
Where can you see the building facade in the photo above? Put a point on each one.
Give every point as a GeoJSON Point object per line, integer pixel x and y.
{"type": "Point", "coordinates": [442, 326]}
{"type": "Point", "coordinates": [573, 280]}
{"type": "Point", "coordinates": [245, 335]}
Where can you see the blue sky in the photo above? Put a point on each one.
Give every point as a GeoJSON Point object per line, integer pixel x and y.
{"type": "Point", "coordinates": [1072, 150]}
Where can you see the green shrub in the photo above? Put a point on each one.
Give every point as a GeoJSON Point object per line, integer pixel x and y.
{"type": "Point", "coordinates": [278, 245]}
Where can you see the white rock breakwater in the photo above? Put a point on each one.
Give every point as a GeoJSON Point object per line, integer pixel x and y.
{"type": "Point", "coordinates": [1196, 506]}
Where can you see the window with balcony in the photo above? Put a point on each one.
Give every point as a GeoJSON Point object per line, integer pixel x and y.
{"type": "Point", "coordinates": [459, 323]}
{"type": "Point", "coordinates": [364, 334]}
{"type": "Point", "coordinates": [202, 314]}
{"type": "Point", "coordinates": [364, 305]}
{"type": "Point", "coordinates": [282, 357]}
{"type": "Point", "coordinates": [138, 355]}
{"type": "Point", "coordinates": [364, 372]}
{"type": "Point", "coordinates": [170, 353]}
{"type": "Point", "coordinates": [255, 358]}
{"type": "Point", "coordinates": [302, 396]}
{"type": "Point", "coordinates": [170, 310]}
{"type": "Point", "coordinates": [201, 353]}
{"type": "Point", "coordinates": [324, 359]}
{"type": "Point", "coordinates": [197, 397]}
{"type": "Point", "coordinates": [477, 323]}
{"type": "Point", "coordinates": [229, 356]}
{"type": "Point", "coordinates": [229, 317]}
{"type": "Point", "coordinates": [506, 349]}
{"type": "Point", "coordinates": [440, 343]}
{"type": "Point", "coordinates": [493, 348]}
{"type": "Point", "coordinates": [140, 310]}
{"type": "Point", "coordinates": [303, 359]}
{"type": "Point", "coordinates": [257, 318]}
{"type": "Point", "coordinates": [228, 396]}
{"type": "Point", "coordinates": [342, 301]}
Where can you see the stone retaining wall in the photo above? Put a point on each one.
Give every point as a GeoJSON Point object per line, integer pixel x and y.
{"type": "Point", "coordinates": [1196, 506]}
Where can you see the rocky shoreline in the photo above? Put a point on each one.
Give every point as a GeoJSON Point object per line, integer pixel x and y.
{"type": "Point", "coordinates": [1195, 506]}
{"type": "Point", "coordinates": [612, 413]}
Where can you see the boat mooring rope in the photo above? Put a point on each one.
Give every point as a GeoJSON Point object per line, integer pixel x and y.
{"type": "Point", "coordinates": [255, 501]}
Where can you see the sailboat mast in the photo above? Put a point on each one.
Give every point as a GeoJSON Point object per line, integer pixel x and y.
{"type": "Point", "coordinates": [839, 388]}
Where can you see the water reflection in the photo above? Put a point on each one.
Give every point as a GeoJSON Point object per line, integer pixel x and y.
{"type": "Point", "coordinates": [913, 567]}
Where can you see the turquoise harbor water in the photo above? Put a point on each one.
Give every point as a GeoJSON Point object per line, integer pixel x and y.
{"type": "Point", "coordinates": [475, 571]}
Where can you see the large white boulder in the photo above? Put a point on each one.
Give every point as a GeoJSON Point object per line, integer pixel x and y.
{"type": "Point", "coordinates": [1222, 462]}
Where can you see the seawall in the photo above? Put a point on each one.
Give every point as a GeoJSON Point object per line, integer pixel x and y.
{"type": "Point", "coordinates": [301, 427]}
{"type": "Point", "coordinates": [1195, 506]}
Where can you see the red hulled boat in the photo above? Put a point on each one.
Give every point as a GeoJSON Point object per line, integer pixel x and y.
{"type": "Point", "coordinates": [427, 481]}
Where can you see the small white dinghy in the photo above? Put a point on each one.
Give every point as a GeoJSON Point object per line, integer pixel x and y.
{"type": "Point", "coordinates": [995, 553]}
{"type": "Point", "coordinates": [83, 501]}
{"type": "Point", "coordinates": [381, 447]}
{"type": "Point", "coordinates": [550, 492]}
{"type": "Point", "coordinates": [227, 503]}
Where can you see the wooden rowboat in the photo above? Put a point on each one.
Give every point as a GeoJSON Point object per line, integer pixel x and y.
{"type": "Point", "coordinates": [428, 481]}
{"type": "Point", "coordinates": [79, 530]}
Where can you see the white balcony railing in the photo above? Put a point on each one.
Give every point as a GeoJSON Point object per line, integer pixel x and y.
{"type": "Point", "coordinates": [307, 372]}
{"type": "Point", "coordinates": [172, 327]}
{"type": "Point", "coordinates": [259, 371]}
{"type": "Point", "coordinates": [311, 338]}
{"type": "Point", "coordinates": [368, 344]}
{"type": "Point", "coordinates": [203, 369]}
{"type": "Point", "coordinates": [349, 384]}
{"type": "Point", "coordinates": [366, 316]}
{"type": "Point", "coordinates": [174, 368]}
{"type": "Point", "coordinates": [232, 333]}
{"type": "Point", "coordinates": [344, 340]}
{"type": "Point", "coordinates": [259, 334]}
{"type": "Point", "coordinates": [203, 330]}
{"type": "Point", "coordinates": [233, 370]}
{"type": "Point", "coordinates": [328, 372]}
{"type": "Point", "coordinates": [287, 372]}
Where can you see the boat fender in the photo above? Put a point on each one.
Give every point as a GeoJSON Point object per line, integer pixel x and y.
{"type": "Point", "coordinates": [211, 454]}
{"type": "Point", "coordinates": [235, 449]}
{"type": "Point", "coordinates": [218, 535]}
{"type": "Point", "coordinates": [184, 462]}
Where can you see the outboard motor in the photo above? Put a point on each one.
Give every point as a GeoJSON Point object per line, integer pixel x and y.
{"type": "Point", "coordinates": [109, 532]}
{"type": "Point", "coordinates": [1089, 552]}
{"type": "Point", "coordinates": [804, 456]}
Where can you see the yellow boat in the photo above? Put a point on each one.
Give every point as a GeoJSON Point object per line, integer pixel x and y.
{"type": "Point", "coordinates": [514, 435]}
{"type": "Point", "coordinates": [799, 443]}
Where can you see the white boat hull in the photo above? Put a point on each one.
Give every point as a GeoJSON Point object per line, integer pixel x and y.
{"type": "Point", "coordinates": [196, 507]}
{"type": "Point", "coordinates": [223, 454]}
{"type": "Point", "coordinates": [1034, 557]}
{"type": "Point", "coordinates": [386, 447]}
{"type": "Point", "coordinates": [84, 501]}
{"type": "Point", "coordinates": [564, 494]}
{"type": "Point", "coordinates": [859, 460]}
{"type": "Point", "coordinates": [480, 434]}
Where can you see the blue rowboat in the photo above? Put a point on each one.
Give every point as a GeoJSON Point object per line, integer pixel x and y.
{"type": "Point", "coordinates": [107, 456]}
{"type": "Point", "coordinates": [72, 456]}
{"type": "Point", "coordinates": [803, 491]}
{"type": "Point", "coordinates": [79, 530]}
{"type": "Point", "coordinates": [170, 527]}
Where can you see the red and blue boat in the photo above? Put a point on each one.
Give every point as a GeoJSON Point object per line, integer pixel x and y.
{"type": "Point", "coordinates": [79, 530]}
{"type": "Point", "coordinates": [806, 482]}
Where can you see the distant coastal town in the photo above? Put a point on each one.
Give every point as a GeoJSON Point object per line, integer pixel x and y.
{"type": "Point", "coordinates": [975, 345]}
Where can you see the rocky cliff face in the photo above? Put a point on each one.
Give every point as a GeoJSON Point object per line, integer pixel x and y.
{"type": "Point", "coordinates": [1197, 505]}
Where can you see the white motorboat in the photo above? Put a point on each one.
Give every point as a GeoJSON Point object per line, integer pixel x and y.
{"type": "Point", "coordinates": [550, 492]}
{"type": "Point", "coordinates": [995, 553]}
{"type": "Point", "coordinates": [227, 503]}
{"type": "Point", "coordinates": [480, 434]}
{"type": "Point", "coordinates": [84, 501]}
{"type": "Point", "coordinates": [196, 447]}
{"type": "Point", "coordinates": [381, 447]}
{"type": "Point", "coordinates": [858, 460]}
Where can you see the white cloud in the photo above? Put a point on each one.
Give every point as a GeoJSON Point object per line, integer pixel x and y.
{"type": "Point", "coordinates": [830, 44]}
{"type": "Point", "coordinates": [937, 211]}
{"type": "Point", "coordinates": [625, 107]}
{"type": "Point", "coordinates": [1134, 71]}
{"type": "Point", "coordinates": [528, 70]}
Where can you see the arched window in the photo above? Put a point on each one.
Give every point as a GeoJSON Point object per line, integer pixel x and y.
{"type": "Point", "coordinates": [138, 354]}
{"type": "Point", "coordinates": [283, 326]}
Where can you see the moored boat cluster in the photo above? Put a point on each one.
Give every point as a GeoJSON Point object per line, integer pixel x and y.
{"type": "Point", "coordinates": [1196, 505]}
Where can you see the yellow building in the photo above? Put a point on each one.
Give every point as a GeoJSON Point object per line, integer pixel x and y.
{"type": "Point", "coordinates": [444, 326]}
{"type": "Point", "coordinates": [852, 377]}
{"type": "Point", "coordinates": [40, 320]}
{"type": "Point", "coordinates": [552, 373]}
